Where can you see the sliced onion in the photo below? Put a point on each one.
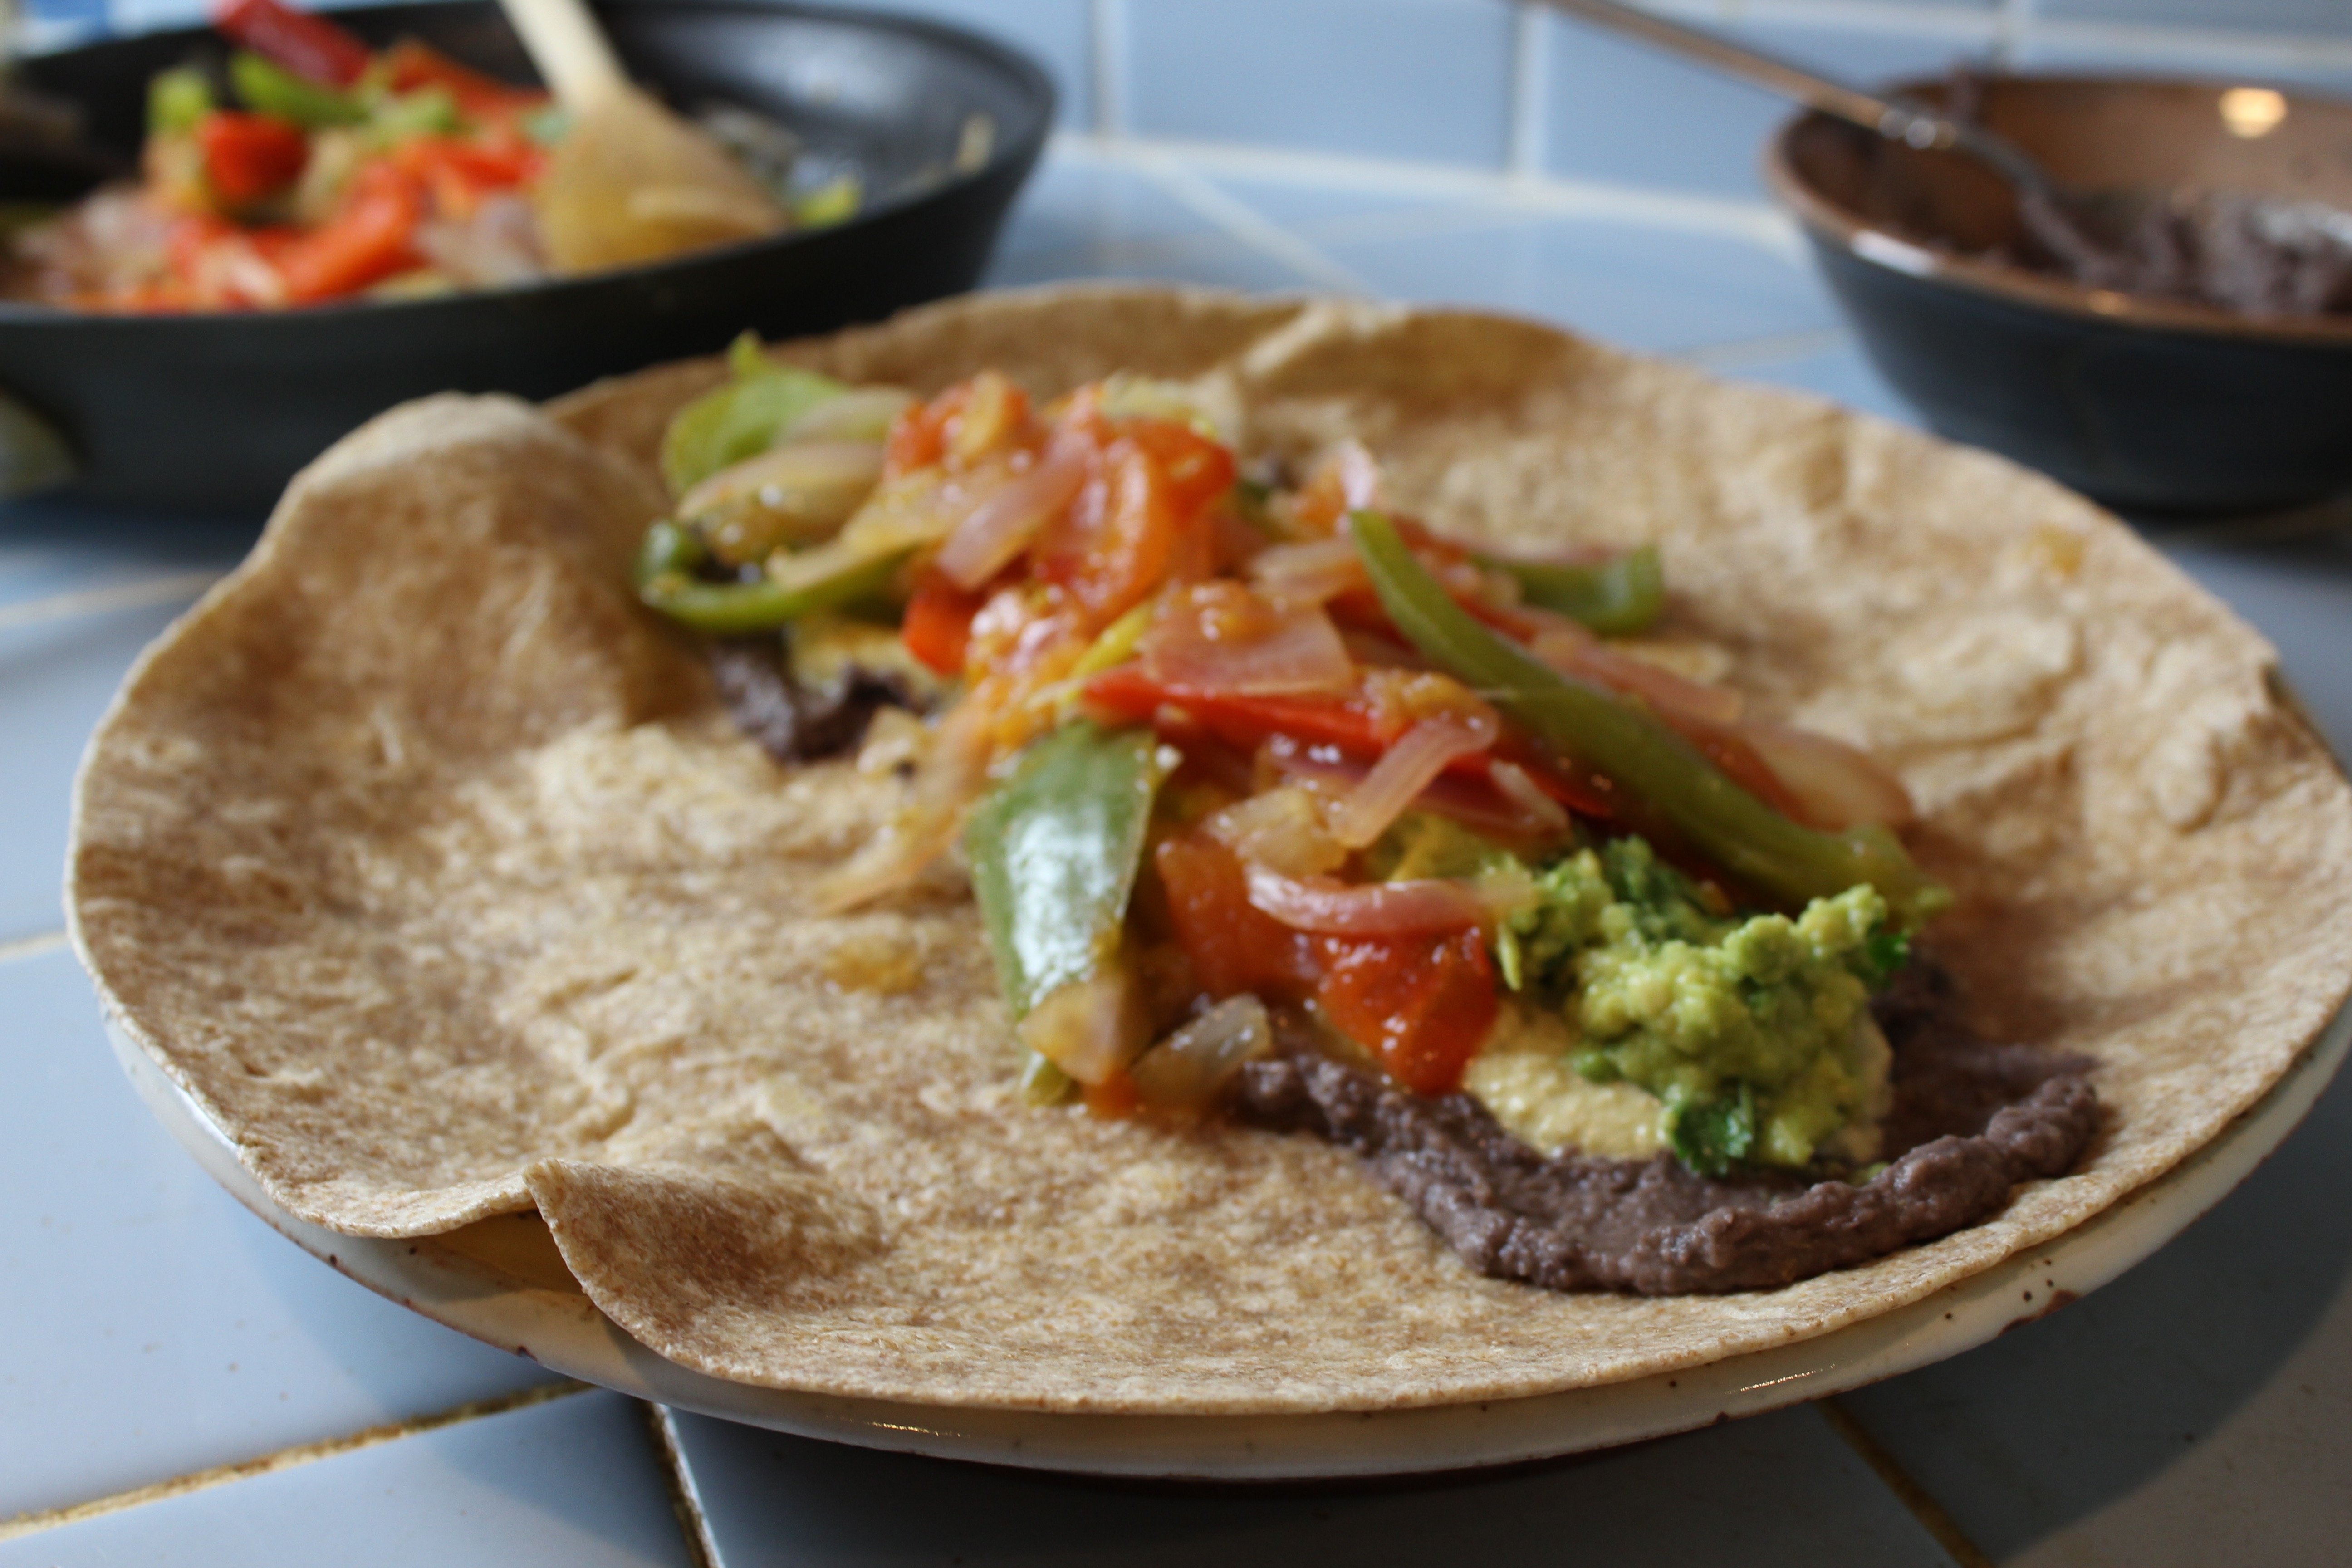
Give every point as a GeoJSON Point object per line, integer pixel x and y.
{"type": "Point", "coordinates": [1837, 785]}
{"type": "Point", "coordinates": [1467, 800]}
{"type": "Point", "coordinates": [1331, 908]}
{"type": "Point", "coordinates": [498, 244]}
{"type": "Point", "coordinates": [1506, 893]}
{"type": "Point", "coordinates": [794, 494]}
{"type": "Point", "coordinates": [917, 508]}
{"type": "Point", "coordinates": [1290, 650]}
{"type": "Point", "coordinates": [951, 776]}
{"type": "Point", "coordinates": [1519, 786]}
{"type": "Point", "coordinates": [1185, 1070]}
{"type": "Point", "coordinates": [1281, 829]}
{"type": "Point", "coordinates": [860, 414]}
{"type": "Point", "coordinates": [1090, 1028]}
{"type": "Point", "coordinates": [1404, 770]}
{"type": "Point", "coordinates": [1378, 651]}
{"type": "Point", "coordinates": [1358, 472]}
{"type": "Point", "coordinates": [1570, 650]}
{"type": "Point", "coordinates": [1001, 526]}
{"type": "Point", "coordinates": [1311, 572]}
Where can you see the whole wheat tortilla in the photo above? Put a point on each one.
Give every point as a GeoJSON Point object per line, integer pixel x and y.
{"type": "Point", "coordinates": [425, 862]}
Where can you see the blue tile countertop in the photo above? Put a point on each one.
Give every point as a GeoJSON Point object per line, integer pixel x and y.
{"type": "Point", "coordinates": [178, 1384]}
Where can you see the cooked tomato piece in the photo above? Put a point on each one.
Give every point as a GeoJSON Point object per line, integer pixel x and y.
{"type": "Point", "coordinates": [250, 157]}
{"type": "Point", "coordinates": [1115, 1098]}
{"type": "Point", "coordinates": [918, 437]}
{"type": "Point", "coordinates": [1111, 547]}
{"type": "Point", "coordinates": [1234, 946]}
{"type": "Point", "coordinates": [1425, 1005]}
{"type": "Point", "coordinates": [936, 628]}
{"type": "Point", "coordinates": [1194, 470]}
{"type": "Point", "coordinates": [966, 423]}
{"type": "Point", "coordinates": [1142, 519]}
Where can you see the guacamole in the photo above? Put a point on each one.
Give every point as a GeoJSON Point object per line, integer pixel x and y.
{"type": "Point", "coordinates": [1753, 1034]}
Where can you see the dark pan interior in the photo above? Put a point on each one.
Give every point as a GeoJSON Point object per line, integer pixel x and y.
{"type": "Point", "coordinates": [889, 102]}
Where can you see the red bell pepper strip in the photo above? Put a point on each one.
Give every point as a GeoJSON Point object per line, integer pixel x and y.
{"type": "Point", "coordinates": [409, 65]}
{"type": "Point", "coordinates": [1128, 695]}
{"type": "Point", "coordinates": [367, 241]}
{"type": "Point", "coordinates": [249, 157]}
{"type": "Point", "coordinates": [461, 171]}
{"type": "Point", "coordinates": [308, 46]}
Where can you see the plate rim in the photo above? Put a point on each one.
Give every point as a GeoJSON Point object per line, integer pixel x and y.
{"type": "Point", "coordinates": [564, 1331]}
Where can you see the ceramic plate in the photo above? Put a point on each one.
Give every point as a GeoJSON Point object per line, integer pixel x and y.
{"type": "Point", "coordinates": [502, 1283]}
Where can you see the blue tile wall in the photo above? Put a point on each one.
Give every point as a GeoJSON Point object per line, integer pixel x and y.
{"type": "Point", "coordinates": [1660, 290]}
{"type": "Point", "coordinates": [1624, 113]}
{"type": "Point", "coordinates": [1423, 79]}
{"type": "Point", "coordinates": [67, 13]}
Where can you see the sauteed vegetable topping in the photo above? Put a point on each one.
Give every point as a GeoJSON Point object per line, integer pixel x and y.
{"type": "Point", "coordinates": [1242, 759]}
{"type": "Point", "coordinates": [308, 167]}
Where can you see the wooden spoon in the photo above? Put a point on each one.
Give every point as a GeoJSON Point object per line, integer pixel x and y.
{"type": "Point", "coordinates": [630, 180]}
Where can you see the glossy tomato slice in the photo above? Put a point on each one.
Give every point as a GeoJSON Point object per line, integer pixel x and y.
{"type": "Point", "coordinates": [1425, 1005]}
{"type": "Point", "coordinates": [1234, 945]}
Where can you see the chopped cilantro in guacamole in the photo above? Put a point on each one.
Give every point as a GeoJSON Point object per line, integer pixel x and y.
{"type": "Point", "coordinates": [1754, 1032]}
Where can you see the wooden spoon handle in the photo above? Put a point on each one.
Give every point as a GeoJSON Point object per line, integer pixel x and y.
{"type": "Point", "coordinates": [573, 57]}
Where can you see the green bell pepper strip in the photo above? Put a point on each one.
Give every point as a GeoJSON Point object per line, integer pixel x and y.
{"type": "Point", "coordinates": [1054, 850]}
{"type": "Point", "coordinates": [176, 100]}
{"type": "Point", "coordinates": [1616, 597]}
{"type": "Point", "coordinates": [741, 419]}
{"type": "Point", "coordinates": [665, 581]}
{"type": "Point", "coordinates": [268, 87]}
{"type": "Point", "coordinates": [429, 111]}
{"type": "Point", "coordinates": [1664, 782]}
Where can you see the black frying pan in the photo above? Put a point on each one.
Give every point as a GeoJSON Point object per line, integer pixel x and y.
{"type": "Point", "coordinates": [214, 411]}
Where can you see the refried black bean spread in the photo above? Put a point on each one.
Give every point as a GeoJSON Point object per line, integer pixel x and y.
{"type": "Point", "coordinates": [1972, 1118]}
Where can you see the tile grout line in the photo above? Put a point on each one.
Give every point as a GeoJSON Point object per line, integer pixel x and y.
{"type": "Point", "coordinates": [101, 601]}
{"type": "Point", "coordinates": [285, 1460]}
{"type": "Point", "coordinates": [1921, 1504]}
{"type": "Point", "coordinates": [1751, 222]}
{"type": "Point", "coordinates": [1858, 15]}
{"type": "Point", "coordinates": [1530, 93]}
{"type": "Point", "coordinates": [1106, 63]}
{"type": "Point", "coordinates": [31, 946]}
{"type": "Point", "coordinates": [684, 1497]}
{"type": "Point", "coordinates": [1247, 226]}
